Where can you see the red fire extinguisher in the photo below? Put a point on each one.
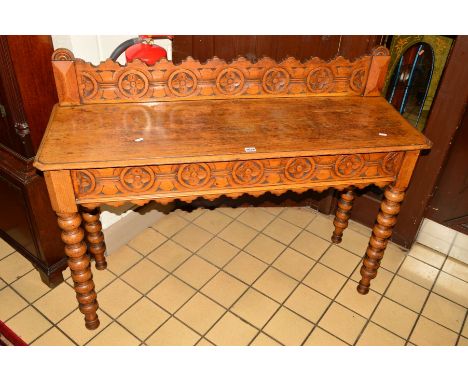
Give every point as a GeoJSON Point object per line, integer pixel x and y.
{"type": "Point", "coordinates": [143, 48]}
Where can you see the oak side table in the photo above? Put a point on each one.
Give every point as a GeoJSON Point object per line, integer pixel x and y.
{"type": "Point", "coordinates": [137, 133]}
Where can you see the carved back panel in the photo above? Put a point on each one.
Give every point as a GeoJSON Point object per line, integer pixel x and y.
{"type": "Point", "coordinates": [79, 82]}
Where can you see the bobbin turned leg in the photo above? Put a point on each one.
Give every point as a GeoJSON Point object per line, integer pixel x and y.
{"type": "Point", "coordinates": [94, 235]}
{"type": "Point", "coordinates": [342, 214]}
{"type": "Point", "coordinates": [381, 232]}
{"type": "Point", "coordinates": [75, 249]}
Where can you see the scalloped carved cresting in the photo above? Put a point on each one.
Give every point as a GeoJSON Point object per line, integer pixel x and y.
{"type": "Point", "coordinates": [191, 79]}
{"type": "Point", "coordinates": [221, 177]}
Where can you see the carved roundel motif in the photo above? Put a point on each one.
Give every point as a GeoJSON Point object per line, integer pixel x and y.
{"type": "Point", "coordinates": [88, 86]}
{"type": "Point", "coordinates": [86, 182]}
{"type": "Point", "coordinates": [358, 78]}
{"type": "Point", "coordinates": [299, 169]}
{"type": "Point", "coordinates": [248, 172]}
{"type": "Point", "coordinates": [391, 163]}
{"type": "Point", "coordinates": [320, 80]}
{"type": "Point", "coordinates": [137, 179]}
{"type": "Point", "coordinates": [276, 80]}
{"type": "Point", "coordinates": [230, 81]}
{"type": "Point", "coordinates": [348, 165]}
{"type": "Point", "coordinates": [133, 84]}
{"type": "Point", "coordinates": [182, 82]}
{"type": "Point", "coordinates": [194, 175]}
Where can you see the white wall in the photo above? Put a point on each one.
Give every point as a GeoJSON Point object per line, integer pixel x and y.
{"type": "Point", "coordinates": [95, 49]}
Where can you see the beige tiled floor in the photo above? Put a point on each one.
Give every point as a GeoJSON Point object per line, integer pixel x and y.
{"type": "Point", "coordinates": [246, 276]}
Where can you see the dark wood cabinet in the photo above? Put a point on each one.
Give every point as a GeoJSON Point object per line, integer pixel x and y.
{"type": "Point", "coordinates": [449, 205]}
{"type": "Point", "coordinates": [27, 95]}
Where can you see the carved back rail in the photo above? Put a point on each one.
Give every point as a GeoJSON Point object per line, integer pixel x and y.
{"type": "Point", "coordinates": [79, 82]}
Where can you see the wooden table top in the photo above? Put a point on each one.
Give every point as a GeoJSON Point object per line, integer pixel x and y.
{"type": "Point", "coordinates": [152, 133]}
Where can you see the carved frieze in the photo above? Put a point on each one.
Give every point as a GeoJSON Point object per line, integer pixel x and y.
{"type": "Point", "coordinates": [230, 81]}
{"type": "Point", "coordinates": [133, 84]}
{"type": "Point", "coordinates": [137, 81]}
{"type": "Point", "coordinates": [249, 176]}
{"type": "Point", "coordinates": [347, 166]}
{"type": "Point", "coordinates": [182, 82]}
{"type": "Point", "coordinates": [320, 80]}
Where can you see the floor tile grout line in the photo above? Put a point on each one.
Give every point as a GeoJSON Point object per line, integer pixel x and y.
{"type": "Point", "coordinates": [268, 265]}
{"type": "Point", "coordinates": [19, 311]}
{"type": "Point", "coordinates": [216, 302]}
{"type": "Point", "coordinates": [454, 276]}
{"type": "Point", "coordinates": [8, 254]}
{"type": "Point", "coordinates": [382, 295]}
{"type": "Point", "coordinates": [21, 275]}
{"type": "Point", "coordinates": [461, 329]}
{"type": "Point", "coordinates": [193, 221]}
{"type": "Point", "coordinates": [193, 253]}
{"type": "Point", "coordinates": [114, 319]}
{"type": "Point", "coordinates": [425, 301]}
{"type": "Point", "coordinates": [50, 321]}
{"type": "Point", "coordinates": [61, 331]}
{"type": "Point", "coordinates": [171, 273]}
{"type": "Point", "coordinates": [38, 298]}
{"type": "Point", "coordinates": [420, 312]}
{"type": "Point", "coordinates": [203, 338]}
{"type": "Point", "coordinates": [190, 250]}
{"type": "Point", "coordinates": [315, 324]}
{"type": "Point", "coordinates": [432, 291]}
{"type": "Point", "coordinates": [407, 251]}
{"type": "Point", "coordinates": [452, 243]}
{"type": "Point", "coordinates": [293, 290]}
{"type": "Point", "coordinates": [334, 300]}
{"type": "Point", "coordinates": [39, 312]}
{"type": "Point", "coordinates": [49, 291]}
{"type": "Point", "coordinates": [349, 278]}
{"type": "Point", "coordinates": [123, 327]}
{"type": "Point", "coordinates": [267, 335]}
{"type": "Point", "coordinates": [220, 269]}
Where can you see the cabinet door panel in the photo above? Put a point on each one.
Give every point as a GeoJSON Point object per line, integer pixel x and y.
{"type": "Point", "coordinates": [14, 217]}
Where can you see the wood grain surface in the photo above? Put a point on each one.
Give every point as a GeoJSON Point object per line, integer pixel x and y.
{"type": "Point", "coordinates": [95, 136]}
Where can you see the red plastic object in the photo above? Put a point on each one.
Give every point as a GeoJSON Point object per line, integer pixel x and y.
{"type": "Point", "coordinates": [10, 336]}
{"type": "Point", "coordinates": [147, 51]}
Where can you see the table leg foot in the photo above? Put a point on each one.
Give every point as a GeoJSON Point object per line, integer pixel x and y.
{"type": "Point", "coordinates": [342, 214]}
{"type": "Point", "coordinates": [94, 236]}
{"type": "Point", "coordinates": [75, 249]}
{"type": "Point", "coordinates": [386, 219]}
